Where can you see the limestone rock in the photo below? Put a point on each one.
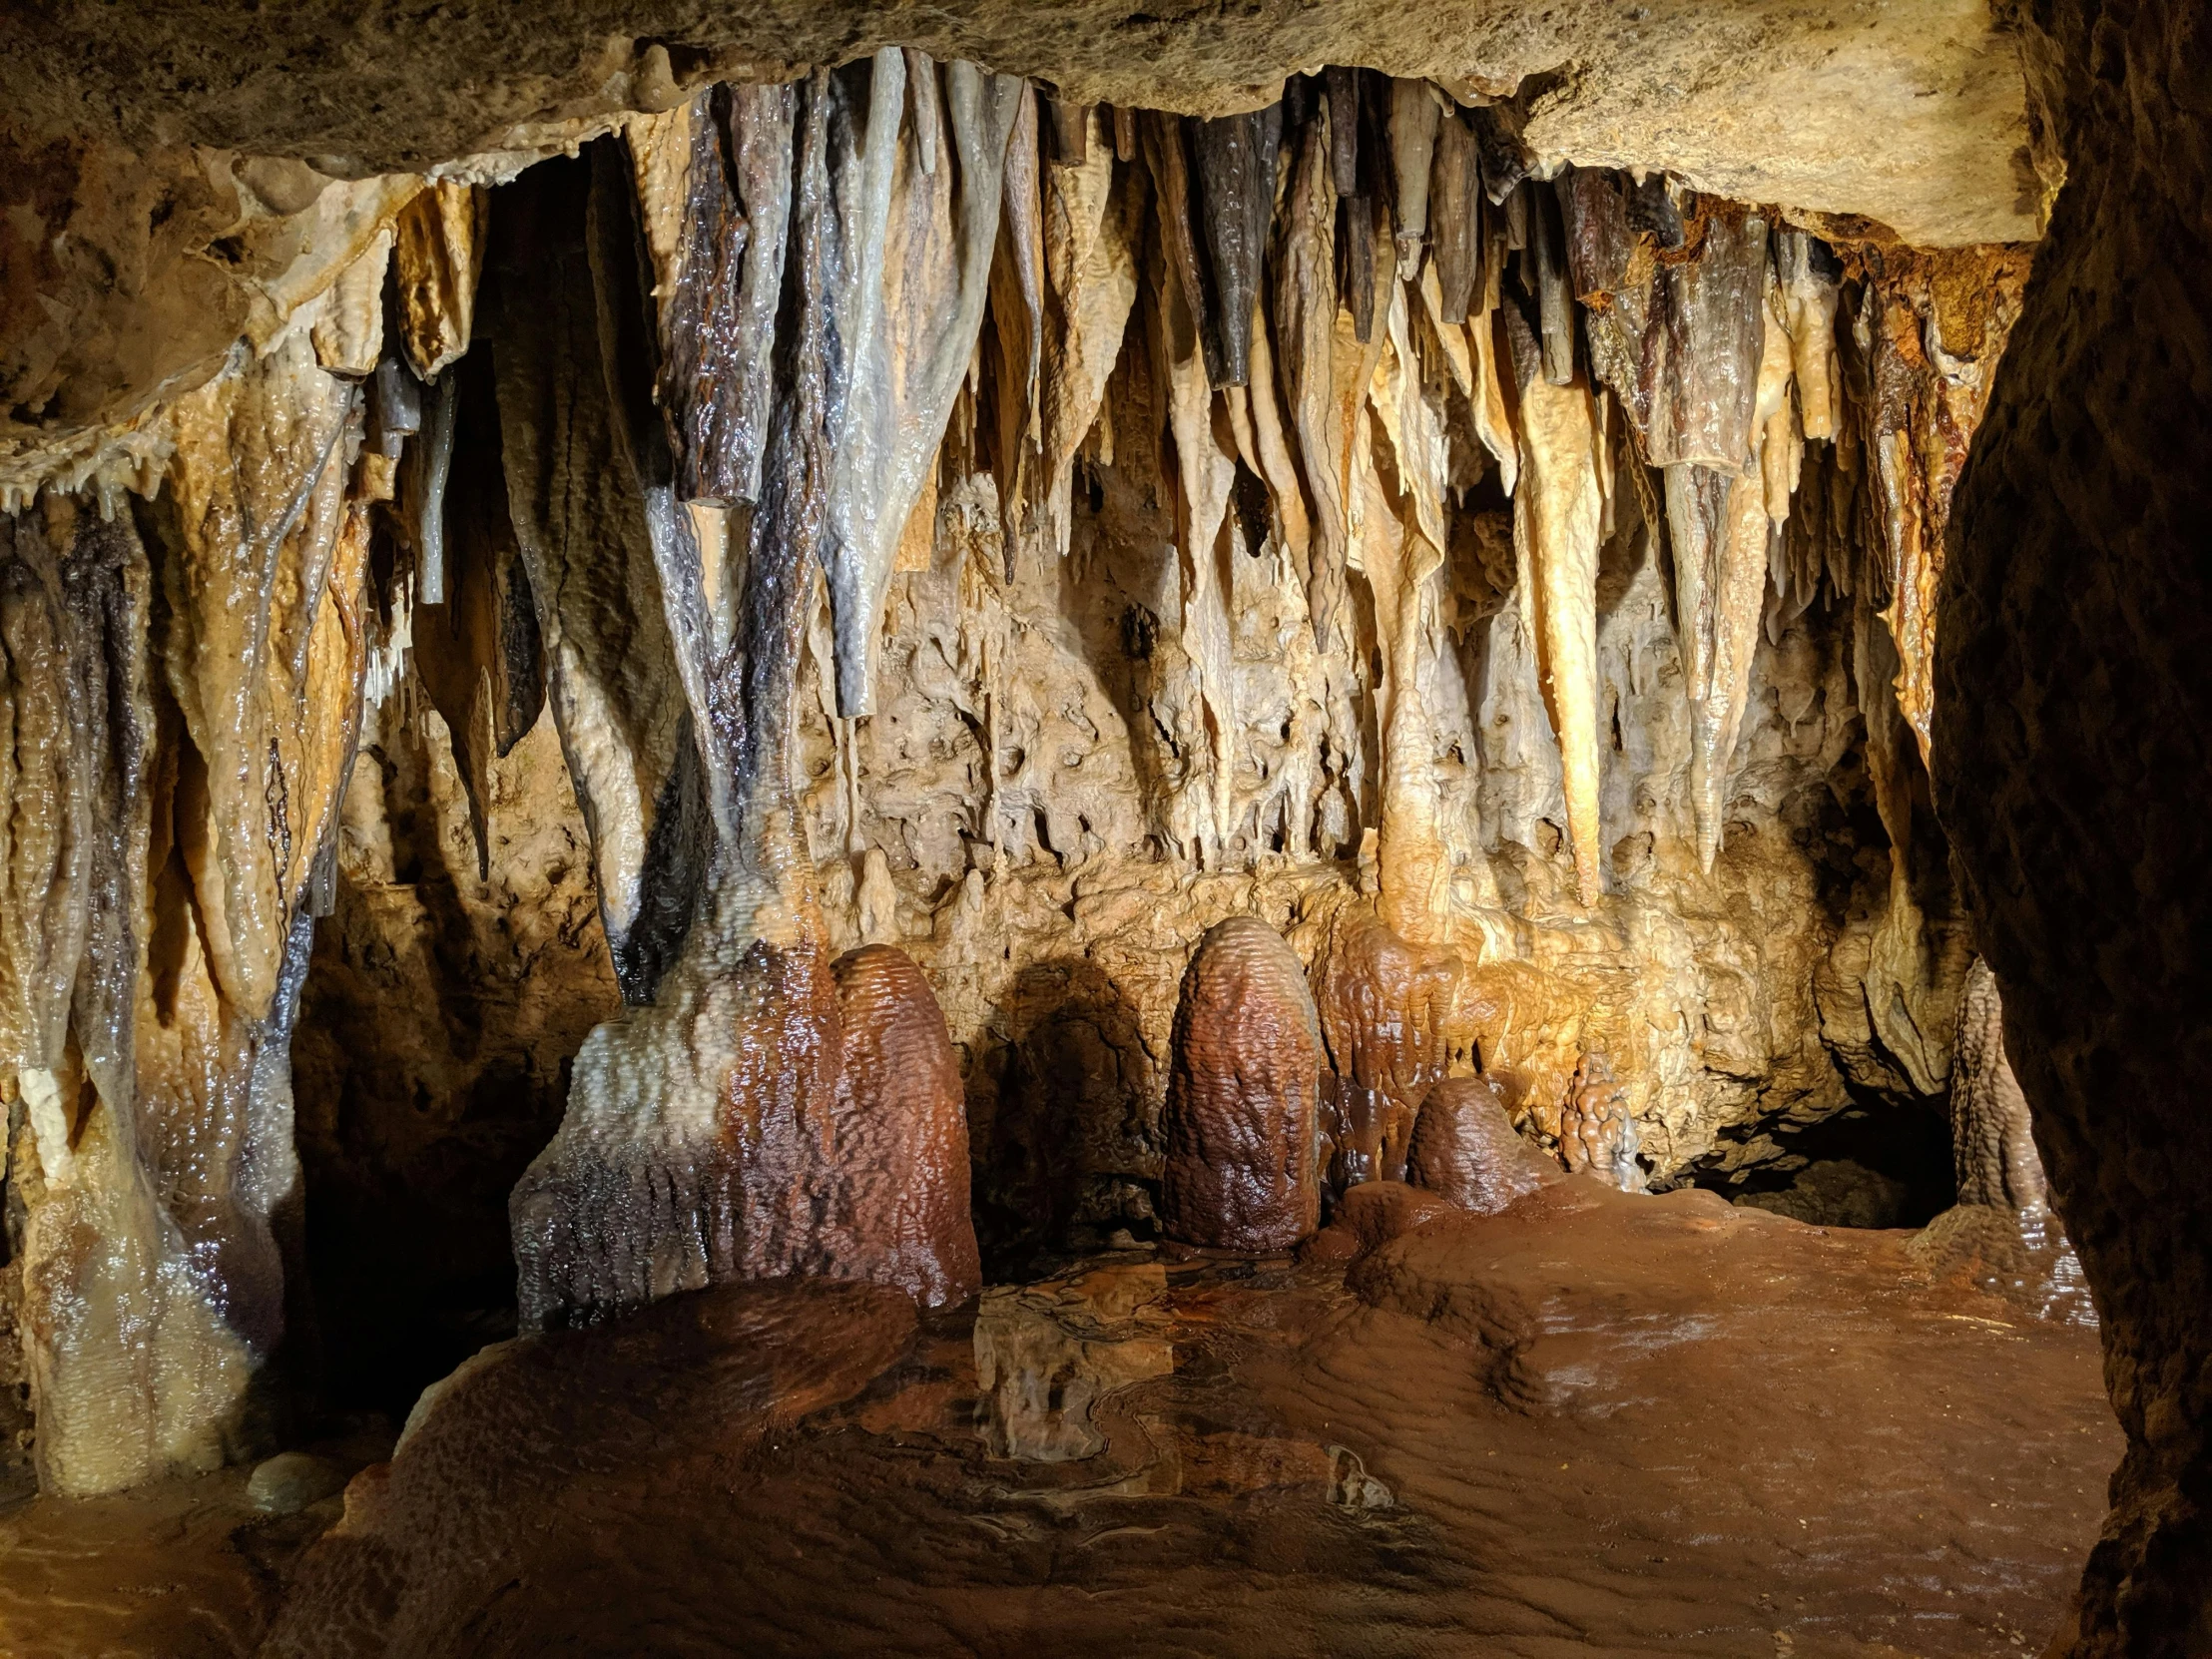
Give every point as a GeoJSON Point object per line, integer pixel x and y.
{"type": "Point", "coordinates": [1244, 1090]}
{"type": "Point", "coordinates": [290, 1481]}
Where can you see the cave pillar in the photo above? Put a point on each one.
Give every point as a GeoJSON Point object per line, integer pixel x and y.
{"type": "Point", "coordinates": [2073, 699]}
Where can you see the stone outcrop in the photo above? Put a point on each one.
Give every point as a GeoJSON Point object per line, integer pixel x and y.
{"type": "Point", "coordinates": [1241, 1123]}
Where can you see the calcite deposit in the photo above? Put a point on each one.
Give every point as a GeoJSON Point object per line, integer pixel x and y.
{"type": "Point", "coordinates": [1465, 1150]}
{"type": "Point", "coordinates": [1240, 1128]}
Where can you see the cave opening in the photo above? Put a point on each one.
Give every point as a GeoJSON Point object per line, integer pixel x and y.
{"type": "Point", "coordinates": [1107, 829]}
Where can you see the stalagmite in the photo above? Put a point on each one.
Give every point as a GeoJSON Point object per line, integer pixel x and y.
{"type": "Point", "coordinates": [1090, 259]}
{"type": "Point", "coordinates": [901, 1144]}
{"type": "Point", "coordinates": [1465, 1149]}
{"type": "Point", "coordinates": [1415, 107]}
{"type": "Point", "coordinates": [919, 249]}
{"type": "Point", "coordinates": [1235, 159]}
{"type": "Point", "coordinates": [1558, 512]}
{"type": "Point", "coordinates": [1243, 1089]}
{"type": "Point", "coordinates": [438, 257]}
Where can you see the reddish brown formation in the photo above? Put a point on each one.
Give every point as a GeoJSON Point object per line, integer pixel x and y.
{"type": "Point", "coordinates": [1384, 1005]}
{"type": "Point", "coordinates": [901, 1151]}
{"type": "Point", "coordinates": [1596, 1135]}
{"type": "Point", "coordinates": [1243, 1096]}
{"type": "Point", "coordinates": [1465, 1151]}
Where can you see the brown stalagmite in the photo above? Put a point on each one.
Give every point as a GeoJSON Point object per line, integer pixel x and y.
{"type": "Point", "coordinates": [1384, 1007]}
{"type": "Point", "coordinates": [1243, 1087]}
{"type": "Point", "coordinates": [901, 1143]}
{"type": "Point", "coordinates": [1465, 1149]}
{"type": "Point", "coordinates": [439, 254]}
{"type": "Point", "coordinates": [1558, 515]}
{"type": "Point", "coordinates": [1416, 108]}
{"type": "Point", "coordinates": [1091, 218]}
{"type": "Point", "coordinates": [1236, 160]}
{"type": "Point", "coordinates": [1992, 1146]}
{"type": "Point", "coordinates": [1305, 327]}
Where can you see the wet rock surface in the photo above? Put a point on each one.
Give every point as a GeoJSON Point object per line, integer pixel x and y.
{"type": "Point", "coordinates": [1244, 1092]}
{"type": "Point", "coordinates": [1466, 1151]}
{"type": "Point", "coordinates": [1255, 1460]}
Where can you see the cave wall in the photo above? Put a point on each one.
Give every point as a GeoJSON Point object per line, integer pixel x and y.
{"type": "Point", "coordinates": [1522, 598]}
{"type": "Point", "coordinates": [2074, 694]}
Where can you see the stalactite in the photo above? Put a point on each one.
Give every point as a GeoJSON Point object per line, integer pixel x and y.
{"type": "Point", "coordinates": [480, 655]}
{"type": "Point", "coordinates": [348, 333]}
{"type": "Point", "coordinates": [1305, 329]}
{"type": "Point", "coordinates": [579, 518]}
{"type": "Point", "coordinates": [1558, 513]}
{"type": "Point", "coordinates": [1554, 289]}
{"type": "Point", "coordinates": [1205, 473]}
{"type": "Point", "coordinates": [1707, 357]}
{"type": "Point", "coordinates": [1167, 155]}
{"type": "Point", "coordinates": [1416, 108]}
{"type": "Point", "coordinates": [1235, 159]}
{"type": "Point", "coordinates": [439, 254]}
{"type": "Point", "coordinates": [1017, 334]}
{"type": "Point", "coordinates": [1808, 274]}
{"type": "Point", "coordinates": [1455, 216]}
{"type": "Point", "coordinates": [1090, 239]}
{"type": "Point", "coordinates": [917, 248]}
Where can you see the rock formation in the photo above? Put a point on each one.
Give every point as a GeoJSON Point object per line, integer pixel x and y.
{"type": "Point", "coordinates": [1466, 1151]}
{"type": "Point", "coordinates": [901, 1145]}
{"type": "Point", "coordinates": [1240, 1126]}
{"type": "Point", "coordinates": [1497, 568]}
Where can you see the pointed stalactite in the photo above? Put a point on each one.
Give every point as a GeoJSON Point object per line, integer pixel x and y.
{"type": "Point", "coordinates": [917, 248]}
{"type": "Point", "coordinates": [1306, 331]}
{"type": "Point", "coordinates": [1273, 457]}
{"type": "Point", "coordinates": [1613, 269]}
{"type": "Point", "coordinates": [1554, 291]}
{"type": "Point", "coordinates": [1236, 161]}
{"type": "Point", "coordinates": [1558, 515]}
{"type": "Point", "coordinates": [1505, 159]}
{"type": "Point", "coordinates": [479, 654]}
{"type": "Point", "coordinates": [1355, 260]}
{"type": "Point", "coordinates": [1091, 216]}
{"type": "Point", "coordinates": [1809, 276]}
{"type": "Point", "coordinates": [1017, 337]}
{"type": "Point", "coordinates": [1416, 109]}
{"type": "Point", "coordinates": [579, 519]}
{"type": "Point", "coordinates": [1206, 474]}
{"type": "Point", "coordinates": [439, 256]}
{"type": "Point", "coordinates": [1455, 216]}
{"type": "Point", "coordinates": [1342, 87]}
{"type": "Point", "coordinates": [1167, 154]}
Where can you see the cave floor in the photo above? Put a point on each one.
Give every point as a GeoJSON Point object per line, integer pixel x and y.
{"type": "Point", "coordinates": [1595, 1424]}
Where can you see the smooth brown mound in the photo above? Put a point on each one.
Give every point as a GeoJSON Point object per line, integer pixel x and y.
{"type": "Point", "coordinates": [1243, 1096]}
{"type": "Point", "coordinates": [1465, 1150]}
{"type": "Point", "coordinates": [902, 1141]}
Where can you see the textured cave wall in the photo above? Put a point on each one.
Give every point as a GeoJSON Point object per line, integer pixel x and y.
{"type": "Point", "coordinates": [440, 1012]}
{"type": "Point", "coordinates": [2076, 694]}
